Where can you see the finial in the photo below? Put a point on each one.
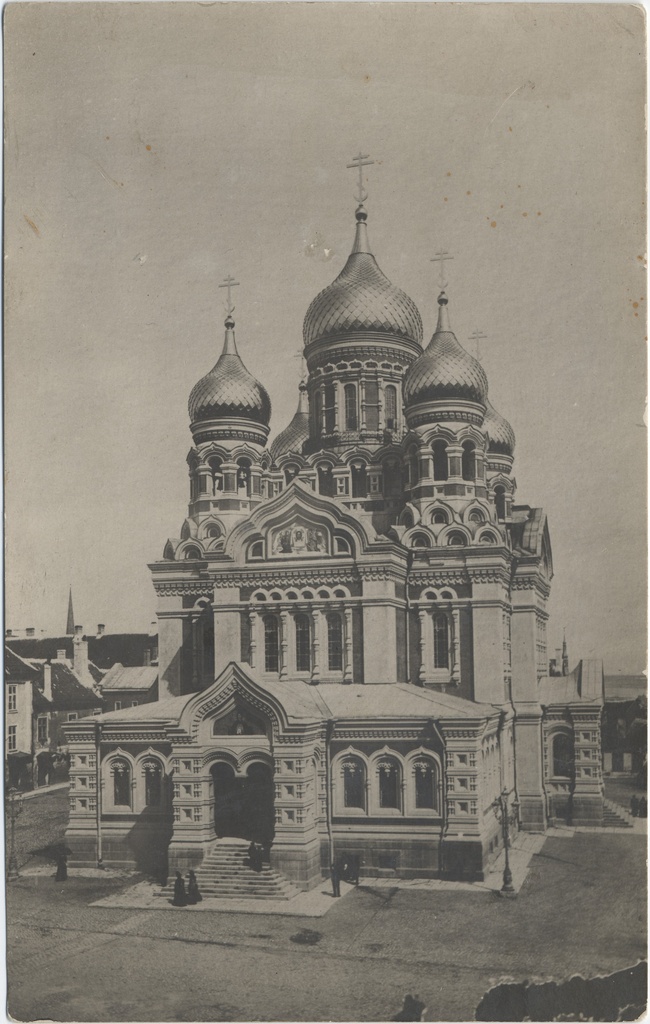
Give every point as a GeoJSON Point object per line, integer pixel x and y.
{"type": "Point", "coordinates": [361, 214]}
{"type": "Point", "coordinates": [442, 299]}
{"type": "Point", "coordinates": [443, 315]}
{"type": "Point", "coordinates": [441, 258]}
{"type": "Point", "coordinates": [229, 344]}
{"type": "Point", "coordinates": [229, 283]}
{"type": "Point", "coordinates": [359, 162]}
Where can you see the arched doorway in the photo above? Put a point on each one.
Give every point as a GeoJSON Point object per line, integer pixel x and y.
{"type": "Point", "coordinates": [243, 805]}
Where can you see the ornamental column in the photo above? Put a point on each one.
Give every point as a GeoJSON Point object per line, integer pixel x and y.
{"type": "Point", "coordinates": [337, 411]}
{"type": "Point", "coordinates": [347, 650]}
{"type": "Point", "coordinates": [315, 646]}
{"type": "Point", "coordinates": [362, 402]}
{"type": "Point", "coordinates": [253, 620]}
{"type": "Point", "coordinates": [195, 652]}
{"type": "Point", "coordinates": [382, 406]}
{"type": "Point", "coordinates": [424, 644]}
{"type": "Point", "coordinates": [455, 647]}
{"type": "Point", "coordinates": [284, 644]}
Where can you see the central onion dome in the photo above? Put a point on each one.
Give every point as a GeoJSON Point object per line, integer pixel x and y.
{"type": "Point", "coordinates": [445, 372]}
{"type": "Point", "coordinates": [501, 436]}
{"type": "Point", "coordinates": [229, 392]}
{"type": "Point", "coordinates": [292, 438]}
{"type": "Point", "coordinates": [362, 299]}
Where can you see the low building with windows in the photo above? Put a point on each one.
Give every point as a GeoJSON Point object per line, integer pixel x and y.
{"type": "Point", "coordinates": [128, 687]}
{"type": "Point", "coordinates": [352, 622]}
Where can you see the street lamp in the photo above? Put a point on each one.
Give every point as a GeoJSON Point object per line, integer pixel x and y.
{"type": "Point", "coordinates": [506, 817]}
{"type": "Point", "coordinates": [14, 808]}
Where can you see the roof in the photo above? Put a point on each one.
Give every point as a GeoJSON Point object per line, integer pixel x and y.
{"type": "Point", "coordinates": [17, 670]}
{"type": "Point", "coordinates": [167, 710]}
{"type": "Point", "coordinates": [625, 687]}
{"type": "Point", "coordinates": [141, 677]}
{"type": "Point", "coordinates": [103, 651]}
{"type": "Point", "coordinates": [68, 693]}
{"type": "Point", "coordinates": [584, 685]}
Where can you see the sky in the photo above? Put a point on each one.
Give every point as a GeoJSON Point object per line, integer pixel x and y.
{"type": "Point", "coordinates": [152, 149]}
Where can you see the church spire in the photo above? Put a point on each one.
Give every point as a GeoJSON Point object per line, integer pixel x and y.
{"type": "Point", "coordinates": [69, 629]}
{"type": "Point", "coordinates": [565, 656]}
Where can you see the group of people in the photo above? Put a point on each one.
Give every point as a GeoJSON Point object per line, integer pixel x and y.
{"type": "Point", "coordinates": [638, 806]}
{"type": "Point", "coordinates": [186, 897]}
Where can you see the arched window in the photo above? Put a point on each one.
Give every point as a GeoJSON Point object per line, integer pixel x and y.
{"type": "Point", "coordinates": [217, 475]}
{"type": "Point", "coordinates": [153, 773]}
{"type": "Point", "coordinates": [440, 461]}
{"type": "Point", "coordinates": [469, 460]}
{"type": "Point", "coordinates": [318, 412]}
{"type": "Point", "coordinates": [476, 516]}
{"type": "Point", "coordinates": [390, 407]}
{"type": "Point", "coordinates": [392, 479]}
{"type": "Point", "coordinates": [213, 531]}
{"type": "Point", "coordinates": [359, 480]}
{"type": "Point", "coordinates": [334, 642]}
{"type": "Point", "coordinates": [121, 772]}
{"type": "Point", "coordinates": [354, 783]}
{"type": "Point", "coordinates": [420, 540]}
{"type": "Point", "coordinates": [487, 538]}
{"type": "Point", "coordinates": [290, 472]}
{"type": "Point", "coordinates": [271, 646]}
{"type": "Point", "coordinates": [325, 481]}
{"type": "Point", "coordinates": [351, 418]}
{"type": "Point", "coordinates": [426, 784]}
{"type": "Point", "coordinates": [563, 755]}
{"type": "Point", "coordinates": [243, 476]}
{"type": "Point", "coordinates": [330, 409]}
{"type": "Point", "coordinates": [500, 501]}
{"type": "Point", "coordinates": [439, 517]}
{"type": "Point", "coordinates": [456, 539]}
{"type": "Point", "coordinates": [257, 550]}
{"type": "Point", "coordinates": [191, 553]}
{"type": "Point", "coordinates": [440, 641]}
{"type": "Point", "coordinates": [390, 790]}
{"type": "Point", "coordinates": [303, 645]}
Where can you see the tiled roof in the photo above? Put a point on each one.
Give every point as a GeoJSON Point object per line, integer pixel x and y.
{"type": "Point", "coordinates": [103, 651]}
{"type": "Point", "coordinates": [120, 678]}
{"type": "Point", "coordinates": [16, 668]}
{"type": "Point", "coordinates": [68, 693]}
{"type": "Point", "coordinates": [500, 434]}
{"type": "Point", "coordinates": [445, 371]}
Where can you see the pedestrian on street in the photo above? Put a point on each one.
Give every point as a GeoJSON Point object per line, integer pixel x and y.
{"type": "Point", "coordinates": [61, 865]}
{"type": "Point", "coordinates": [634, 805]}
{"type": "Point", "coordinates": [180, 896]}
{"type": "Point", "coordinates": [412, 1009]}
{"type": "Point", "coordinates": [336, 880]}
{"type": "Point", "coordinates": [193, 891]}
{"type": "Point", "coordinates": [643, 807]}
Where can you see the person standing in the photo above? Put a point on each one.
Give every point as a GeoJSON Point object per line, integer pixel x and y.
{"type": "Point", "coordinates": [634, 806]}
{"type": "Point", "coordinates": [643, 807]}
{"type": "Point", "coordinates": [336, 880]}
{"type": "Point", "coordinates": [61, 865]}
{"type": "Point", "coordinates": [193, 891]}
{"type": "Point", "coordinates": [180, 896]}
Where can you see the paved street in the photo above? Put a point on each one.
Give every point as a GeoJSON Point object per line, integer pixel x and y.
{"type": "Point", "coordinates": [580, 910]}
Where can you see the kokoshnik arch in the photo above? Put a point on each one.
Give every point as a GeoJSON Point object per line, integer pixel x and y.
{"type": "Point", "coordinates": [352, 622]}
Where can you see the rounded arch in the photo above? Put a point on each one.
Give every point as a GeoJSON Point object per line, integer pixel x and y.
{"type": "Point", "coordinates": [487, 537]}
{"type": "Point", "coordinates": [211, 529]}
{"type": "Point", "coordinates": [350, 774]}
{"type": "Point", "coordinates": [475, 513]}
{"type": "Point", "coordinates": [189, 551]}
{"type": "Point", "coordinates": [440, 515]}
{"type": "Point", "coordinates": [454, 536]}
{"type": "Point", "coordinates": [423, 776]}
{"type": "Point", "coordinates": [562, 753]}
{"type": "Point", "coordinates": [387, 767]}
{"type": "Point", "coordinates": [119, 780]}
{"type": "Point", "coordinates": [419, 539]}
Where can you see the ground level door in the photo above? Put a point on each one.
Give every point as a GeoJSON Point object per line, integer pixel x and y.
{"type": "Point", "coordinates": [243, 807]}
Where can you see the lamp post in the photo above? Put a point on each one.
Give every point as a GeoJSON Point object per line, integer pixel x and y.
{"type": "Point", "coordinates": [14, 809]}
{"type": "Point", "coordinates": [506, 816]}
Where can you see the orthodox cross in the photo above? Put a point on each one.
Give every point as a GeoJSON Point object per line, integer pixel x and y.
{"type": "Point", "coordinates": [300, 354]}
{"type": "Point", "coordinates": [229, 283]}
{"type": "Point", "coordinates": [360, 162]}
{"type": "Point", "coordinates": [478, 337]}
{"type": "Point", "coordinates": [441, 258]}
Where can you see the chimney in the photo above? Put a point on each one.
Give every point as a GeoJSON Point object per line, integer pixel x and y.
{"type": "Point", "coordinates": [80, 657]}
{"type": "Point", "coordinates": [61, 655]}
{"type": "Point", "coordinates": [8, 632]}
{"type": "Point", "coordinates": [100, 629]}
{"type": "Point", "coordinates": [30, 631]}
{"type": "Point", "coordinates": [153, 629]}
{"type": "Point", "coordinates": [47, 680]}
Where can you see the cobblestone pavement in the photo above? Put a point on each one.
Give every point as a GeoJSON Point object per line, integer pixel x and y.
{"type": "Point", "coordinates": [580, 910]}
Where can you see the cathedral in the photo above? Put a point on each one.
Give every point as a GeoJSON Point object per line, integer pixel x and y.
{"type": "Point", "coordinates": [352, 623]}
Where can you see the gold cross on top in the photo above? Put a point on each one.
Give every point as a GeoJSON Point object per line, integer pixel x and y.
{"type": "Point", "coordinates": [229, 283]}
{"type": "Point", "coordinates": [360, 161]}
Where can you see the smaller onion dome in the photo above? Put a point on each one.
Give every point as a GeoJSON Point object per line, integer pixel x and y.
{"type": "Point", "coordinates": [501, 436]}
{"type": "Point", "coordinates": [445, 371]}
{"type": "Point", "coordinates": [229, 391]}
{"type": "Point", "coordinates": [362, 299]}
{"type": "Point", "coordinates": [293, 436]}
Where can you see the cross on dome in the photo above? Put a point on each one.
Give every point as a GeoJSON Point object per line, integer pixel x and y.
{"type": "Point", "coordinates": [229, 283]}
{"type": "Point", "coordinates": [441, 258]}
{"type": "Point", "coordinates": [360, 161]}
{"type": "Point", "coordinates": [478, 337]}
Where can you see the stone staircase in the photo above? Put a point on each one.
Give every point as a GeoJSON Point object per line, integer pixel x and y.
{"type": "Point", "coordinates": [226, 874]}
{"type": "Point", "coordinates": [615, 816]}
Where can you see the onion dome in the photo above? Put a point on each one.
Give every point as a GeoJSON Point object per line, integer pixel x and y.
{"type": "Point", "coordinates": [362, 299]}
{"type": "Point", "coordinates": [501, 436]}
{"type": "Point", "coordinates": [445, 372]}
{"type": "Point", "coordinates": [293, 436]}
{"type": "Point", "coordinates": [229, 392]}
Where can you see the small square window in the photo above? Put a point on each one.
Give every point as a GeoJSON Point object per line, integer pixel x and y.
{"type": "Point", "coordinates": [462, 758]}
{"type": "Point", "coordinates": [187, 813]}
{"type": "Point", "coordinates": [72, 717]}
{"type": "Point", "coordinates": [463, 808]}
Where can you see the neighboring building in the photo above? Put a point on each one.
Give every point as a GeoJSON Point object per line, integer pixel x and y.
{"type": "Point", "coordinates": [129, 687]}
{"type": "Point", "coordinates": [352, 622]}
{"type": "Point", "coordinates": [103, 649]}
{"type": "Point", "coordinates": [39, 699]}
{"type": "Point", "coordinates": [625, 722]}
